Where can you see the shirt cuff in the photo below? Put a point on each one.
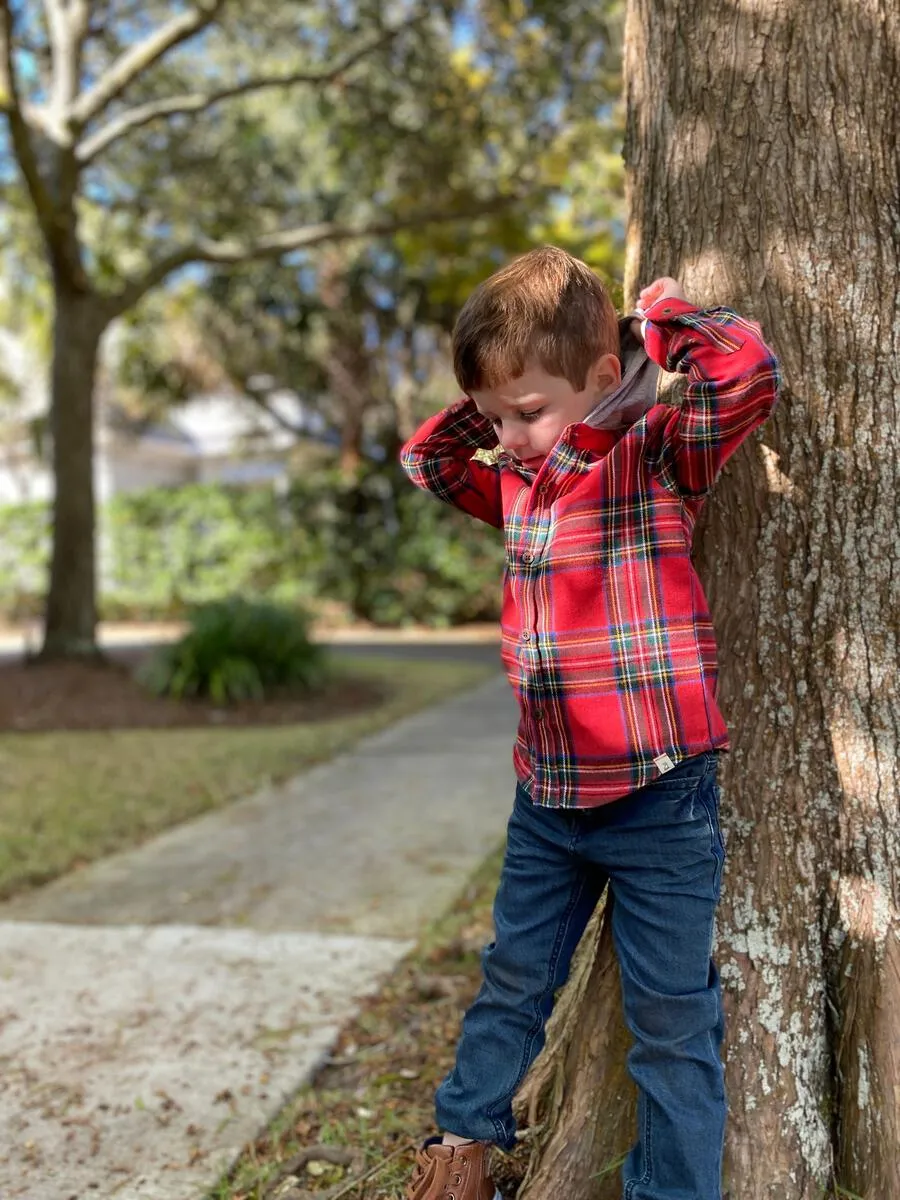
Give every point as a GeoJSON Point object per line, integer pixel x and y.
{"type": "Point", "coordinates": [668, 308]}
{"type": "Point", "coordinates": [659, 325]}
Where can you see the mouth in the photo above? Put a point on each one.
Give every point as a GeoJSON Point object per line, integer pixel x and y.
{"type": "Point", "coordinates": [534, 463]}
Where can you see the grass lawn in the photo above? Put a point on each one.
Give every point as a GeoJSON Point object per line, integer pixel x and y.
{"type": "Point", "coordinates": [68, 798]}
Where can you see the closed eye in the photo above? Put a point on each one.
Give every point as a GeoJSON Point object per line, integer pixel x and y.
{"type": "Point", "coordinates": [526, 416]}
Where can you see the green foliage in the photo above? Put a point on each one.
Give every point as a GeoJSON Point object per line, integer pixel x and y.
{"type": "Point", "coordinates": [173, 549]}
{"type": "Point", "coordinates": [467, 101]}
{"type": "Point", "coordinates": [425, 107]}
{"type": "Point", "coordinates": [238, 650]}
{"type": "Point", "coordinates": [390, 553]}
{"type": "Point", "coordinates": [396, 556]}
{"type": "Point", "coordinates": [24, 557]}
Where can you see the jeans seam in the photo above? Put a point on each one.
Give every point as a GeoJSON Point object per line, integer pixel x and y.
{"type": "Point", "coordinates": [716, 844]}
{"type": "Point", "coordinates": [631, 1184]}
{"type": "Point", "coordinates": [539, 1019]}
{"type": "Point", "coordinates": [646, 1142]}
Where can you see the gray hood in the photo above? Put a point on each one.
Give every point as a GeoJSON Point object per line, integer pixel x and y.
{"type": "Point", "coordinates": [636, 394]}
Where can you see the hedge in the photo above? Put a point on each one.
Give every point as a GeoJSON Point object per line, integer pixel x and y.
{"type": "Point", "coordinates": [390, 553]}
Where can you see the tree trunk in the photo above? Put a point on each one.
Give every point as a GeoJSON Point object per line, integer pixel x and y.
{"type": "Point", "coordinates": [579, 1102]}
{"type": "Point", "coordinates": [70, 628]}
{"type": "Point", "coordinates": [350, 455]}
{"type": "Point", "coordinates": [763, 161]}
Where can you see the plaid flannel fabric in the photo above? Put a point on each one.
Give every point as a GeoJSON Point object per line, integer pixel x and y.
{"type": "Point", "coordinates": [607, 637]}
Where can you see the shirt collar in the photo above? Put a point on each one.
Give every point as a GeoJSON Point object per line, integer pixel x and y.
{"type": "Point", "coordinates": [586, 437]}
{"type": "Point", "coordinates": [579, 437]}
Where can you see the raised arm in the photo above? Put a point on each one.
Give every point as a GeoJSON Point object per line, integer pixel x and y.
{"type": "Point", "coordinates": [732, 385]}
{"type": "Point", "coordinates": [438, 459]}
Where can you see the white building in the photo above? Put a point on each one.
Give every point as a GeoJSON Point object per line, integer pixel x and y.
{"type": "Point", "coordinates": [210, 439]}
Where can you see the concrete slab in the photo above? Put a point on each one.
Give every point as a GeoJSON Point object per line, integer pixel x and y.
{"type": "Point", "coordinates": [376, 842]}
{"type": "Point", "coordinates": [156, 1008]}
{"type": "Point", "coordinates": [136, 1062]}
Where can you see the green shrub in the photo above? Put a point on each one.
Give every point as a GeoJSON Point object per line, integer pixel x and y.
{"type": "Point", "coordinates": [238, 650]}
{"type": "Point", "coordinates": [24, 558]}
{"type": "Point", "coordinates": [395, 555]}
{"type": "Point", "coordinates": [171, 549]}
{"type": "Point", "coordinates": [372, 542]}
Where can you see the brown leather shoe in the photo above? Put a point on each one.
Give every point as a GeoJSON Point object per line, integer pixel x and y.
{"type": "Point", "coordinates": [452, 1173]}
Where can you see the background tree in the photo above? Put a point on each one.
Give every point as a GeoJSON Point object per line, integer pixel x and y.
{"type": "Point", "coordinates": [145, 141]}
{"type": "Point", "coordinates": [360, 329]}
{"type": "Point", "coordinates": [762, 162]}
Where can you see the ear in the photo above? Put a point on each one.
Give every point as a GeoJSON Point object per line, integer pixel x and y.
{"type": "Point", "coordinates": [606, 374]}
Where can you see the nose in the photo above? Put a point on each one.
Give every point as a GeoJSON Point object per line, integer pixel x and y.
{"type": "Point", "coordinates": [512, 439]}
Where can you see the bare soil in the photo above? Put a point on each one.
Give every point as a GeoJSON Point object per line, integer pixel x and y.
{"type": "Point", "coordinates": [39, 697]}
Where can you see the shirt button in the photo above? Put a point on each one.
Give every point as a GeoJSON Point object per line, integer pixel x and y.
{"type": "Point", "coordinates": [539, 714]}
{"type": "Point", "coordinates": [527, 558]}
{"type": "Point", "coordinates": [526, 636]}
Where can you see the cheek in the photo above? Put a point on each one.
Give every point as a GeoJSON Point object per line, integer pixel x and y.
{"type": "Point", "coordinates": [546, 433]}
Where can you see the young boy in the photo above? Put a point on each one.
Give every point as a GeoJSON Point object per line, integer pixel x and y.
{"type": "Point", "coordinates": [609, 647]}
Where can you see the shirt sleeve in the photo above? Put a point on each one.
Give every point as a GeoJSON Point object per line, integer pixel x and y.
{"type": "Point", "coordinates": [733, 381]}
{"type": "Point", "coordinates": [438, 459]}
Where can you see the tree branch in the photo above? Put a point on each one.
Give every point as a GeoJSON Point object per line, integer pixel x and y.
{"type": "Point", "coordinates": [8, 96]}
{"type": "Point", "coordinates": [274, 245]}
{"type": "Point", "coordinates": [20, 134]}
{"type": "Point", "coordinates": [143, 114]}
{"type": "Point", "coordinates": [262, 403]}
{"type": "Point", "coordinates": [138, 59]}
{"type": "Point", "coordinates": [67, 26]}
{"type": "Point", "coordinates": [79, 29]}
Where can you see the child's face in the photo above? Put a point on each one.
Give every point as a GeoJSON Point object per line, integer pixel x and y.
{"type": "Point", "coordinates": [530, 413]}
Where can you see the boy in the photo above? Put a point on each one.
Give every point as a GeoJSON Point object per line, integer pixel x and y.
{"type": "Point", "coordinates": [609, 647]}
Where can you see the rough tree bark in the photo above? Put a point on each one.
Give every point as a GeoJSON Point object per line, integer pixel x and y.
{"type": "Point", "coordinates": [79, 322]}
{"type": "Point", "coordinates": [763, 154]}
{"type": "Point", "coordinates": [348, 365]}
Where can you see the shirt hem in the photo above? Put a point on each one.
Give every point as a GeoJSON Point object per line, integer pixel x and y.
{"type": "Point", "coordinates": [597, 799]}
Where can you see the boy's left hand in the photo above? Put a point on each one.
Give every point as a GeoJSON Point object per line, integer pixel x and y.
{"type": "Point", "coordinates": [659, 289]}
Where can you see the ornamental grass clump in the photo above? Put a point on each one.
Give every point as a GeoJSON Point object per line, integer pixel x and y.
{"type": "Point", "coordinates": [237, 650]}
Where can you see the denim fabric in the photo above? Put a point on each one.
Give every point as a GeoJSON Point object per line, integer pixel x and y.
{"type": "Point", "coordinates": [661, 851]}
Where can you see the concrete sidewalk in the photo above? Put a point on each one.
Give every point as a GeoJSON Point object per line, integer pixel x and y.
{"type": "Point", "coordinates": [157, 1008]}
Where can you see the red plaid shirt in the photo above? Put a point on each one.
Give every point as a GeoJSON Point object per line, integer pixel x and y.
{"type": "Point", "coordinates": [607, 637]}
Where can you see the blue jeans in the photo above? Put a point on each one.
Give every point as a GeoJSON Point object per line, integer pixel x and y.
{"type": "Point", "coordinates": [661, 851]}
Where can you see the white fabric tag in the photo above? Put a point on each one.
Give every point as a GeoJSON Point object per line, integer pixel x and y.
{"type": "Point", "coordinates": [664, 763]}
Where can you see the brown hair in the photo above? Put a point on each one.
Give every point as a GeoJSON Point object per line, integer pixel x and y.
{"type": "Point", "coordinates": [546, 307]}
